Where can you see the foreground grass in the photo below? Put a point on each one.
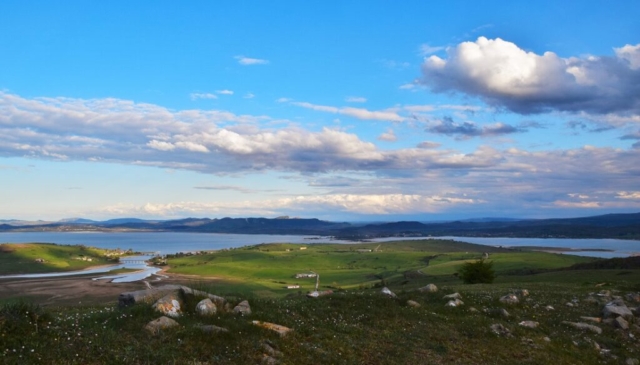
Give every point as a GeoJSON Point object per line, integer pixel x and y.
{"type": "Point", "coordinates": [21, 258]}
{"type": "Point", "coordinates": [349, 327]}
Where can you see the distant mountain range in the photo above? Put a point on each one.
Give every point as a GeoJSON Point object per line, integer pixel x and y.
{"type": "Point", "coordinates": [623, 226]}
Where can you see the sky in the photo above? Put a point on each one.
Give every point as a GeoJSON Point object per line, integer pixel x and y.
{"type": "Point", "coordinates": [358, 111]}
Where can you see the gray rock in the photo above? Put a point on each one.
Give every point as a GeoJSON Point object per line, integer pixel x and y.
{"type": "Point", "coordinates": [584, 326]}
{"type": "Point", "coordinates": [510, 299]}
{"type": "Point", "coordinates": [281, 330]}
{"type": "Point", "coordinates": [549, 308]}
{"type": "Point", "coordinates": [413, 303]}
{"type": "Point", "coordinates": [212, 329]}
{"type": "Point", "coordinates": [591, 319]}
{"type": "Point", "coordinates": [206, 307]}
{"type": "Point", "coordinates": [429, 288]}
{"type": "Point", "coordinates": [569, 304]}
{"type": "Point", "coordinates": [146, 296]}
{"type": "Point", "coordinates": [621, 323]}
{"type": "Point", "coordinates": [158, 325]}
{"type": "Point", "coordinates": [529, 324]}
{"type": "Point", "coordinates": [269, 360]}
{"type": "Point", "coordinates": [473, 310]}
{"type": "Point", "coordinates": [270, 350]}
{"type": "Point", "coordinates": [631, 361]}
{"type": "Point", "coordinates": [500, 312]}
{"type": "Point", "coordinates": [500, 330]}
{"type": "Point", "coordinates": [242, 308]}
{"type": "Point", "coordinates": [388, 292]}
{"type": "Point", "coordinates": [633, 297]}
{"type": "Point", "coordinates": [454, 303]}
{"type": "Point", "coordinates": [169, 305]}
{"type": "Point", "coordinates": [616, 308]}
{"type": "Point", "coordinates": [523, 292]}
{"type": "Point", "coordinates": [453, 296]}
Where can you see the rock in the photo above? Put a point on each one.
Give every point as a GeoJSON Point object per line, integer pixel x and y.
{"type": "Point", "coordinates": [270, 350]}
{"type": "Point", "coordinates": [604, 293]}
{"type": "Point", "coordinates": [569, 304]}
{"type": "Point", "coordinates": [242, 308]}
{"type": "Point", "coordinates": [549, 308]}
{"type": "Point", "coordinates": [281, 330]}
{"type": "Point", "coordinates": [453, 296]}
{"type": "Point", "coordinates": [500, 330]}
{"type": "Point", "coordinates": [621, 323]}
{"type": "Point", "coordinates": [584, 326]}
{"type": "Point", "coordinates": [454, 303]}
{"type": "Point", "coordinates": [616, 308]}
{"type": "Point", "coordinates": [316, 294]}
{"type": "Point", "coordinates": [633, 297]}
{"type": "Point", "coordinates": [388, 292]}
{"type": "Point", "coordinates": [510, 299]}
{"type": "Point", "coordinates": [546, 339]}
{"type": "Point", "coordinates": [592, 319]}
{"type": "Point", "coordinates": [631, 361]}
{"type": "Point", "coordinates": [473, 310]}
{"type": "Point", "coordinates": [429, 288]}
{"type": "Point", "coordinates": [169, 305]}
{"type": "Point", "coordinates": [269, 360]}
{"type": "Point", "coordinates": [413, 303]}
{"type": "Point", "coordinates": [146, 296]}
{"type": "Point", "coordinates": [523, 292]}
{"type": "Point", "coordinates": [206, 308]}
{"type": "Point", "coordinates": [213, 329]}
{"type": "Point", "coordinates": [217, 300]}
{"type": "Point", "coordinates": [499, 312]}
{"type": "Point", "coordinates": [157, 325]}
{"type": "Point", "coordinates": [529, 324]}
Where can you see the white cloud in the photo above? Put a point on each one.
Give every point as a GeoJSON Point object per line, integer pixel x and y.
{"type": "Point", "coordinates": [407, 86]}
{"type": "Point", "coordinates": [425, 49]}
{"type": "Point", "coordinates": [388, 136]}
{"type": "Point", "coordinates": [161, 145]}
{"type": "Point", "coordinates": [224, 92]}
{"type": "Point", "coordinates": [248, 96]}
{"type": "Point", "coordinates": [247, 61]}
{"type": "Point", "coordinates": [505, 75]}
{"type": "Point", "coordinates": [356, 99]}
{"type": "Point", "coordinates": [358, 113]}
{"type": "Point", "coordinates": [196, 96]}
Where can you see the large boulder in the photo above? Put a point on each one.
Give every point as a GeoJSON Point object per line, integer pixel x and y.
{"type": "Point", "coordinates": [616, 308]}
{"type": "Point", "coordinates": [170, 305]}
{"type": "Point", "coordinates": [158, 325]}
{"type": "Point", "coordinates": [206, 307]}
{"type": "Point", "coordinates": [146, 296]}
{"type": "Point", "coordinates": [429, 288]}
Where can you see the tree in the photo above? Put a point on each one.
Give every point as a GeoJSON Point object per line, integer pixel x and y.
{"type": "Point", "coordinates": [477, 272]}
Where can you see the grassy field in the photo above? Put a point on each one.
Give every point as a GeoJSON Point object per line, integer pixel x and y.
{"type": "Point", "coordinates": [266, 269]}
{"type": "Point", "coordinates": [21, 258]}
{"type": "Point", "coordinates": [356, 324]}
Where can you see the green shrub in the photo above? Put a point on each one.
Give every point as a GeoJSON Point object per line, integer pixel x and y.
{"type": "Point", "coordinates": [477, 272]}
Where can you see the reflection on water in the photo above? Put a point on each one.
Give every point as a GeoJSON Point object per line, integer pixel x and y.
{"type": "Point", "coordinates": [143, 271]}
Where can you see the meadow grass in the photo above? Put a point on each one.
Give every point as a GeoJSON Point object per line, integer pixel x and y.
{"type": "Point", "coordinates": [21, 258]}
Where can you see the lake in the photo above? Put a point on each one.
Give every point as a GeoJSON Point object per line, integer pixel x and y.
{"type": "Point", "coordinates": [172, 242]}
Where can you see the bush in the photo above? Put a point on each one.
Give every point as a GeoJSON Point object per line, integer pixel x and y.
{"type": "Point", "coordinates": [477, 272]}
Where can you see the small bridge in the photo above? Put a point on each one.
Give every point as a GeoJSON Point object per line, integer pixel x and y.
{"type": "Point", "coordinates": [137, 259]}
{"type": "Point", "coordinates": [125, 260]}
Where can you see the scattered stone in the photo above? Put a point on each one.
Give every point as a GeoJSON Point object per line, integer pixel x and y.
{"type": "Point", "coordinates": [584, 326]}
{"type": "Point", "coordinates": [242, 308]}
{"type": "Point", "coordinates": [569, 304]}
{"type": "Point", "coordinates": [316, 294]}
{"type": "Point", "coordinates": [523, 292]}
{"type": "Point", "coordinates": [169, 305]}
{"type": "Point", "coordinates": [270, 350]}
{"type": "Point", "coordinates": [633, 297]}
{"type": "Point", "coordinates": [592, 319]}
{"type": "Point", "coordinates": [156, 326]}
{"type": "Point", "coordinates": [601, 284]}
{"type": "Point", "coordinates": [621, 323]}
{"type": "Point", "coordinates": [146, 296]}
{"type": "Point", "coordinates": [429, 288]}
{"type": "Point", "coordinates": [500, 330]}
{"type": "Point", "coordinates": [546, 339]}
{"type": "Point", "coordinates": [549, 308]}
{"type": "Point", "coordinates": [213, 329]}
{"type": "Point", "coordinates": [206, 308]}
{"type": "Point", "coordinates": [454, 303]}
{"type": "Point", "coordinates": [473, 310]}
{"type": "Point", "coordinates": [510, 299]}
{"type": "Point", "coordinates": [631, 361]}
{"type": "Point", "coordinates": [500, 312]}
{"type": "Point", "coordinates": [529, 324]}
{"type": "Point", "coordinates": [388, 292]}
{"type": "Point", "coordinates": [269, 360]}
{"type": "Point", "coordinates": [453, 296]}
{"type": "Point", "coordinates": [616, 308]}
{"type": "Point", "coordinates": [604, 293]}
{"type": "Point", "coordinates": [281, 330]}
{"type": "Point", "coordinates": [413, 303]}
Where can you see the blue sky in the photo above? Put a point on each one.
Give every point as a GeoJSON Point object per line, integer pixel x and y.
{"type": "Point", "coordinates": [342, 111]}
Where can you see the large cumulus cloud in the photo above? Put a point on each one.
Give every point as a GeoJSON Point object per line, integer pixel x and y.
{"type": "Point", "coordinates": [504, 75]}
